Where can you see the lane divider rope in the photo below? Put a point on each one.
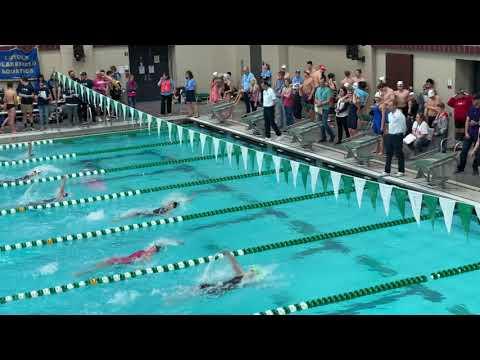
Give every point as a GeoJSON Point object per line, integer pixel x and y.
{"type": "Point", "coordinates": [123, 194]}
{"type": "Point", "coordinates": [201, 260]}
{"type": "Point", "coordinates": [169, 220]}
{"type": "Point", "coordinates": [86, 153]}
{"type": "Point", "coordinates": [107, 170]}
{"type": "Point", "coordinates": [346, 296]}
{"type": "Point", "coordinates": [437, 275]}
{"type": "Point", "coordinates": [24, 144]}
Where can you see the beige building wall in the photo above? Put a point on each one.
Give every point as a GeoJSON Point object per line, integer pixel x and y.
{"type": "Point", "coordinates": [332, 56]}
{"type": "Point", "coordinates": [439, 67]}
{"type": "Point", "coordinates": [464, 75]}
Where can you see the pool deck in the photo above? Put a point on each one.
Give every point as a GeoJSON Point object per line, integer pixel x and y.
{"type": "Point", "coordinates": [465, 187]}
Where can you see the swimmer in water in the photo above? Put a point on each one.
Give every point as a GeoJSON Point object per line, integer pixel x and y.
{"type": "Point", "coordinates": [141, 255]}
{"type": "Point", "coordinates": [233, 283]}
{"type": "Point", "coordinates": [159, 211]}
{"type": "Point", "coordinates": [29, 176]}
{"type": "Point", "coordinates": [61, 195]}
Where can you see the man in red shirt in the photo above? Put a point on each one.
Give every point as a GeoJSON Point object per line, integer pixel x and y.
{"type": "Point", "coordinates": [461, 103]}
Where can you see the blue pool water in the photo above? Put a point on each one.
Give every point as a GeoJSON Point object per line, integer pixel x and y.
{"type": "Point", "coordinates": [292, 274]}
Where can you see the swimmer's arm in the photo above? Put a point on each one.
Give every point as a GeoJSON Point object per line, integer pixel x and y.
{"type": "Point", "coordinates": [235, 265]}
{"type": "Point", "coordinates": [61, 191]}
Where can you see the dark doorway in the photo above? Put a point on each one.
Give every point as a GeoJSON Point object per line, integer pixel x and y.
{"type": "Point", "coordinates": [399, 67]}
{"type": "Point", "coordinates": [476, 78]}
{"type": "Point", "coordinates": [256, 60]}
{"type": "Point", "coordinates": [147, 64]}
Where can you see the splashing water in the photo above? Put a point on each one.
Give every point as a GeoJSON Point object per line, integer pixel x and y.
{"type": "Point", "coordinates": [96, 215]}
{"type": "Point", "coordinates": [47, 269]}
{"type": "Point", "coordinates": [47, 169]}
{"type": "Point", "coordinates": [123, 297]}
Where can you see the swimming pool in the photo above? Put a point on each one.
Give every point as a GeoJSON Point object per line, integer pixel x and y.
{"type": "Point", "coordinates": [222, 207]}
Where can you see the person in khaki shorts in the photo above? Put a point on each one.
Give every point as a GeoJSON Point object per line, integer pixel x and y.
{"type": "Point", "coordinates": [26, 92]}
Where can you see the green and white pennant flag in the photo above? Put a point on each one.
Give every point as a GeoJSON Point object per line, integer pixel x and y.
{"type": "Point", "coordinates": [276, 162]}
{"type": "Point", "coordinates": [203, 138]}
{"type": "Point", "coordinates": [336, 177]}
{"type": "Point", "coordinates": [216, 145]}
{"type": "Point", "coordinates": [159, 125]}
{"type": "Point", "coordinates": [259, 155]}
{"type": "Point", "coordinates": [313, 177]}
{"type": "Point", "coordinates": [385, 194]}
{"type": "Point", "coordinates": [359, 187]}
{"type": "Point", "coordinates": [416, 203]}
{"type": "Point", "coordinates": [124, 111]}
{"type": "Point", "coordinates": [82, 89]}
{"type": "Point", "coordinates": [244, 157]}
{"type": "Point", "coordinates": [140, 117]}
{"type": "Point", "coordinates": [115, 107]}
{"type": "Point", "coordinates": [132, 115]}
{"type": "Point", "coordinates": [169, 126]}
{"type": "Point", "coordinates": [448, 207]}
{"type": "Point", "coordinates": [295, 165]}
{"type": "Point", "coordinates": [107, 104]}
{"type": "Point", "coordinates": [149, 122]}
{"type": "Point", "coordinates": [477, 210]}
{"type": "Point", "coordinates": [229, 147]}
{"type": "Point", "coordinates": [180, 133]}
{"type": "Point", "coordinates": [191, 134]}
{"type": "Point", "coordinates": [100, 103]}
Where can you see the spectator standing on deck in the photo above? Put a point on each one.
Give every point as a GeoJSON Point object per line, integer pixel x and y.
{"type": "Point", "coordinates": [43, 99]}
{"type": "Point", "coordinates": [190, 94]}
{"type": "Point", "coordinates": [254, 94]}
{"type": "Point", "coordinates": [297, 81]}
{"type": "Point", "coordinates": [10, 106]}
{"type": "Point", "coordinates": [358, 76]}
{"type": "Point", "coordinates": [246, 78]}
{"type": "Point", "coordinates": [115, 74]}
{"type": "Point", "coordinates": [266, 73]}
{"type": "Point", "coordinates": [393, 140]}
{"type": "Point", "coordinates": [348, 79]}
{"type": "Point", "coordinates": [114, 86]}
{"type": "Point", "coordinates": [166, 93]}
{"type": "Point", "coordinates": [269, 99]}
{"type": "Point", "coordinates": [72, 101]}
{"type": "Point", "coordinates": [27, 94]}
{"type": "Point", "coordinates": [84, 103]}
{"type": "Point", "coordinates": [431, 107]}
{"type": "Point", "coordinates": [279, 111]}
{"type": "Point", "coordinates": [132, 91]}
{"type": "Point", "coordinates": [323, 98]}
{"type": "Point", "coordinates": [476, 156]}
{"type": "Point", "coordinates": [309, 66]}
{"type": "Point", "coordinates": [402, 97]}
{"type": "Point", "coordinates": [307, 92]}
{"type": "Point", "coordinates": [386, 101]}
{"type": "Point", "coordinates": [461, 104]}
{"type": "Point", "coordinates": [288, 102]}
{"type": "Point", "coordinates": [472, 124]}
{"type": "Point", "coordinates": [341, 111]}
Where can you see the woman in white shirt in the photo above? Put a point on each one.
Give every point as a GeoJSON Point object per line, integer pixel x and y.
{"type": "Point", "coordinates": [269, 99]}
{"type": "Point", "coordinates": [393, 141]}
{"type": "Point", "coordinates": [420, 130]}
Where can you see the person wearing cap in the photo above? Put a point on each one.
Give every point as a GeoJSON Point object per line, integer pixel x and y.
{"type": "Point", "coordinates": [431, 108]}
{"type": "Point", "coordinates": [461, 104]}
{"type": "Point", "coordinates": [319, 73]}
{"type": "Point", "coordinates": [297, 81]}
{"type": "Point", "coordinates": [246, 79]}
{"type": "Point", "coordinates": [402, 97]}
{"type": "Point", "coordinates": [393, 140]}
{"type": "Point", "coordinates": [472, 126]}
{"type": "Point", "coordinates": [84, 104]}
{"type": "Point", "coordinates": [306, 91]}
